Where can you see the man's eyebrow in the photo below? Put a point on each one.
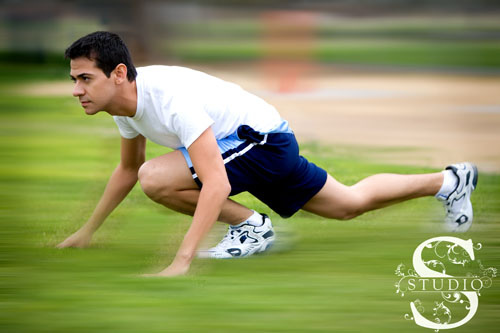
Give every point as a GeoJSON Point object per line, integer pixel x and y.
{"type": "Point", "coordinates": [79, 75]}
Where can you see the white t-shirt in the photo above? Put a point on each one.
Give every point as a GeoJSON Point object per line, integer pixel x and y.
{"type": "Point", "coordinates": [175, 105]}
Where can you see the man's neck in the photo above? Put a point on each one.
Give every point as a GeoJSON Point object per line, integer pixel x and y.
{"type": "Point", "coordinates": [125, 101]}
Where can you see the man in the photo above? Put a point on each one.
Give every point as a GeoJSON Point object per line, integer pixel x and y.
{"type": "Point", "coordinates": [227, 141]}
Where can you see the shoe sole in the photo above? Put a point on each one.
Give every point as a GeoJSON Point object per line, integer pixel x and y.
{"type": "Point", "coordinates": [476, 176]}
{"type": "Point", "coordinates": [474, 169]}
{"type": "Point", "coordinates": [475, 179]}
{"type": "Point", "coordinates": [267, 244]}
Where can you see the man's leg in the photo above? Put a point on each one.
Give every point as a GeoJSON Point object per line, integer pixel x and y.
{"type": "Point", "coordinates": [339, 201]}
{"type": "Point", "coordinates": [167, 180]}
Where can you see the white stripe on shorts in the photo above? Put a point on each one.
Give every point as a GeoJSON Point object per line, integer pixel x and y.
{"type": "Point", "coordinates": [240, 153]}
{"type": "Point", "coordinates": [243, 151]}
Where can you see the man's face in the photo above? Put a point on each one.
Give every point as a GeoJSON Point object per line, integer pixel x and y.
{"type": "Point", "coordinates": [92, 87]}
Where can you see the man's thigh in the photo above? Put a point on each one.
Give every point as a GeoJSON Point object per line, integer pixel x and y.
{"type": "Point", "coordinates": [169, 170]}
{"type": "Point", "coordinates": [332, 201]}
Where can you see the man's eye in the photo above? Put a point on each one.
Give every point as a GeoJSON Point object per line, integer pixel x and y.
{"type": "Point", "coordinates": [85, 78]}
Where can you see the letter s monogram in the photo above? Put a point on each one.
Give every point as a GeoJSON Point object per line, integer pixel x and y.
{"type": "Point", "coordinates": [425, 271]}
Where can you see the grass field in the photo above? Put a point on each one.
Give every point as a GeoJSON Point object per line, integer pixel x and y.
{"type": "Point", "coordinates": [446, 42]}
{"type": "Point", "coordinates": [324, 276]}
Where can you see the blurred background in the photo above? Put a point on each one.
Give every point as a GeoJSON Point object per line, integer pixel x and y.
{"type": "Point", "coordinates": [418, 75]}
{"type": "Point", "coordinates": [389, 32]}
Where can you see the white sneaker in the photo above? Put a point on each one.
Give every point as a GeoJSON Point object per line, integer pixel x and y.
{"type": "Point", "coordinates": [458, 206]}
{"type": "Point", "coordinates": [243, 241]}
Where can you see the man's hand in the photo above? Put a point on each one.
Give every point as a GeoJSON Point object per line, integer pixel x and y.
{"type": "Point", "coordinates": [176, 268]}
{"type": "Point", "coordinates": [209, 166]}
{"type": "Point", "coordinates": [79, 239]}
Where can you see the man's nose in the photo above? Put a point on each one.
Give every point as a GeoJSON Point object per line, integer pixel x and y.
{"type": "Point", "coordinates": [78, 90]}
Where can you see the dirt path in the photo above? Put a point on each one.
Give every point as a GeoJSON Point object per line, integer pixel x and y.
{"type": "Point", "coordinates": [422, 118]}
{"type": "Point", "coordinates": [429, 119]}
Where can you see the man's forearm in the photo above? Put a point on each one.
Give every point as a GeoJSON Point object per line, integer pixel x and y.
{"type": "Point", "coordinates": [119, 185]}
{"type": "Point", "coordinates": [207, 210]}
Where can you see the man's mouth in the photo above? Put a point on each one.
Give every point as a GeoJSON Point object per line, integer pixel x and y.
{"type": "Point", "coordinates": [84, 103]}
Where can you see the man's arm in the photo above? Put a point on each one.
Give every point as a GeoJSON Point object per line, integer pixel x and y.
{"type": "Point", "coordinates": [122, 180]}
{"type": "Point", "coordinates": [209, 166]}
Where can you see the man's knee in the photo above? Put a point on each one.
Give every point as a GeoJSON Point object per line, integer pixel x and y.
{"type": "Point", "coordinates": [347, 214]}
{"type": "Point", "coordinates": [344, 212]}
{"type": "Point", "coordinates": [152, 183]}
{"type": "Point", "coordinates": [354, 208]}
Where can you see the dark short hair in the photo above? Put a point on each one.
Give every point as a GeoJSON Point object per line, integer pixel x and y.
{"type": "Point", "coordinates": [107, 49]}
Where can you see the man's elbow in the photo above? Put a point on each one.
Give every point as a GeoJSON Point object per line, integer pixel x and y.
{"type": "Point", "coordinates": [129, 171]}
{"type": "Point", "coordinates": [218, 187]}
{"type": "Point", "coordinates": [226, 187]}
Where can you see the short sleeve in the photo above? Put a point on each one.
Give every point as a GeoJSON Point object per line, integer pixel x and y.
{"type": "Point", "coordinates": [126, 131]}
{"type": "Point", "coordinates": [189, 120]}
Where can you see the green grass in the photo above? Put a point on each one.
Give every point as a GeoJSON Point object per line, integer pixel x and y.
{"type": "Point", "coordinates": [387, 52]}
{"type": "Point", "coordinates": [427, 27]}
{"type": "Point", "coordinates": [446, 42]}
{"type": "Point", "coordinates": [324, 276]}
{"type": "Point", "coordinates": [15, 73]}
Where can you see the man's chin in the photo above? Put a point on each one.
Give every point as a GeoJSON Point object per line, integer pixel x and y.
{"type": "Point", "coordinates": [90, 112]}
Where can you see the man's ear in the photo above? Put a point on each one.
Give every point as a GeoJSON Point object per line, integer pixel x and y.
{"type": "Point", "coordinates": [120, 73]}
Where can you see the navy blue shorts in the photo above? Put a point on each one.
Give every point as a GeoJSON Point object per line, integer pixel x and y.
{"type": "Point", "coordinates": [270, 168]}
